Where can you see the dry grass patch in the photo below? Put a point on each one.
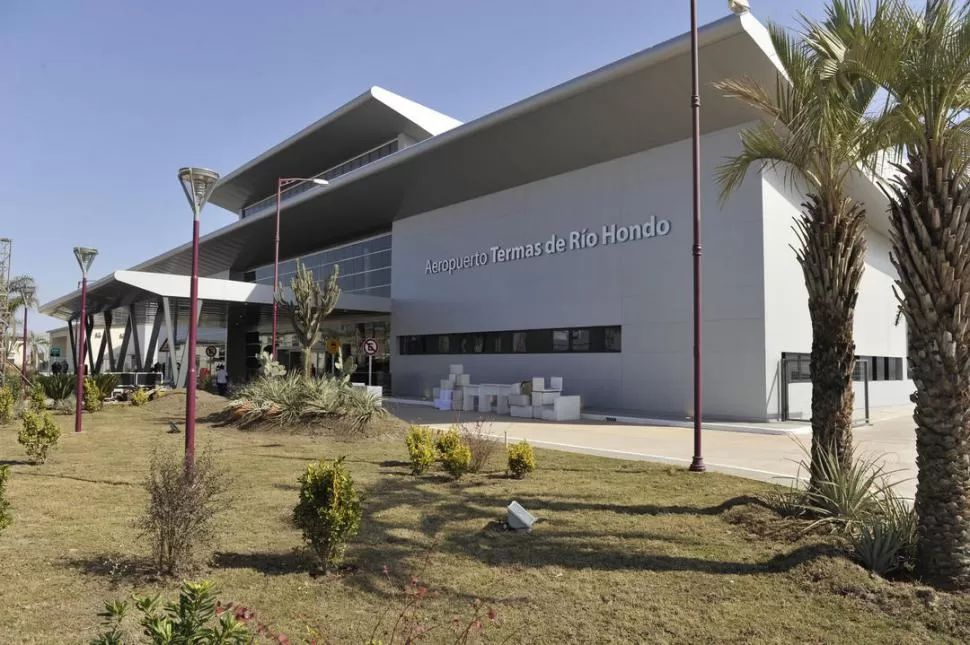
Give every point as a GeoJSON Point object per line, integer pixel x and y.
{"type": "Point", "coordinates": [624, 551]}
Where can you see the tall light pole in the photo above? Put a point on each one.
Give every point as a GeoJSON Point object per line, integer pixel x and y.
{"type": "Point", "coordinates": [85, 256]}
{"type": "Point", "coordinates": [198, 184]}
{"type": "Point", "coordinates": [697, 462]}
{"type": "Point", "coordinates": [28, 295]}
{"type": "Point", "coordinates": [282, 181]}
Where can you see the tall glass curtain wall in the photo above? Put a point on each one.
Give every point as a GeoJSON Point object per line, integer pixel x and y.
{"type": "Point", "coordinates": [365, 267]}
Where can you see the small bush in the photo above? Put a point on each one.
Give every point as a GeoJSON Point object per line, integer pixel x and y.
{"type": "Point", "coordinates": [886, 540]}
{"type": "Point", "coordinates": [139, 397]}
{"type": "Point", "coordinates": [196, 617]}
{"type": "Point", "coordinates": [329, 510]}
{"type": "Point", "coordinates": [5, 518]}
{"type": "Point", "coordinates": [37, 401]}
{"type": "Point", "coordinates": [93, 397]}
{"type": "Point", "coordinates": [421, 449]}
{"type": "Point", "coordinates": [6, 405]}
{"type": "Point", "coordinates": [447, 441]}
{"type": "Point", "coordinates": [183, 505]}
{"type": "Point", "coordinates": [522, 459]}
{"type": "Point", "coordinates": [457, 460]}
{"type": "Point", "coordinates": [58, 387]}
{"type": "Point", "coordinates": [480, 444]}
{"type": "Point", "coordinates": [39, 434]}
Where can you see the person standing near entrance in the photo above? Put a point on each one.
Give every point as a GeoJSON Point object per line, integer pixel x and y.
{"type": "Point", "coordinates": [222, 380]}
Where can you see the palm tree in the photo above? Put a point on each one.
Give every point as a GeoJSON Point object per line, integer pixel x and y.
{"type": "Point", "coordinates": [35, 342]}
{"type": "Point", "coordinates": [17, 298]}
{"type": "Point", "coordinates": [921, 59]}
{"type": "Point", "coordinates": [818, 134]}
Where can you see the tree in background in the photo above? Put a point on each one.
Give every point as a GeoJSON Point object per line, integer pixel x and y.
{"type": "Point", "coordinates": [310, 306]}
{"type": "Point", "coordinates": [818, 134]}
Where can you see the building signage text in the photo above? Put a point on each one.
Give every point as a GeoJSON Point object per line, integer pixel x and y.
{"type": "Point", "coordinates": [573, 241]}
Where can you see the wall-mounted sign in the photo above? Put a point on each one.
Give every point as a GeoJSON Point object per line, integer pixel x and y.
{"type": "Point", "coordinates": [610, 234]}
{"type": "Point", "coordinates": [55, 352]}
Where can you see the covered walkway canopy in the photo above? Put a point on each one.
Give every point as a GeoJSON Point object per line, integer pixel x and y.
{"type": "Point", "coordinates": [132, 298]}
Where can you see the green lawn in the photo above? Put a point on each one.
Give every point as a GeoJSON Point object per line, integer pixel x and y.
{"type": "Point", "coordinates": [625, 551]}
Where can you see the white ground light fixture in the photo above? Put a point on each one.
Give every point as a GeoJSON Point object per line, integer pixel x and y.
{"type": "Point", "coordinates": [519, 519]}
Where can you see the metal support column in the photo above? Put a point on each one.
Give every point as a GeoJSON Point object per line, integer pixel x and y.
{"type": "Point", "coordinates": [125, 339]}
{"type": "Point", "coordinates": [188, 353]}
{"type": "Point", "coordinates": [88, 334]}
{"type": "Point", "coordinates": [73, 339]}
{"type": "Point", "coordinates": [134, 331]}
{"type": "Point", "coordinates": [153, 338]}
{"type": "Point", "coordinates": [167, 313]}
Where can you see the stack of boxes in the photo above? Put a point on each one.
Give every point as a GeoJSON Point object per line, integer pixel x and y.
{"type": "Point", "coordinates": [547, 403]}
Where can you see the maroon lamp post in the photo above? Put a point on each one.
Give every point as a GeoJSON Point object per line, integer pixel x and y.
{"type": "Point", "coordinates": [283, 181]}
{"type": "Point", "coordinates": [198, 184]}
{"type": "Point", "coordinates": [28, 294]}
{"type": "Point", "coordinates": [85, 256]}
{"type": "Point", "coordinates": [697, 462]}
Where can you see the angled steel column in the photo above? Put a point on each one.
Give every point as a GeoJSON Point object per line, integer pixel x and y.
{"type": "Point", "coordinates": [167, 309]}
{"type": "Point", "coordinates": [125, 339]}
{"type": "Point", "coordinates": [88, 333]}
{"type": "Point", "coordinates": [153, 337]}
{"type": "Point", "coordinates": [134, 332]}
{"type": "Point", "coordinates": [188, 354]}
{"type": "Point", "coordinates": [70, 335]}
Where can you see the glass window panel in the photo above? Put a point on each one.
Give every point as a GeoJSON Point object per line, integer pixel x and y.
{"type": "Point", "coordinates": [478, 343]}
{"type": "Point", "coordinates": [560, 340]}
{"type": "Point", "coordinates": [539, 341]}
{"type": "Point", "coordinates": [579, 340]}
{"type": "Point", "coordinates": [518, 341]}
{"type": "Point", "coordinates": [612, 339]}
{"type": "Point", "coordinates": [444, 344]}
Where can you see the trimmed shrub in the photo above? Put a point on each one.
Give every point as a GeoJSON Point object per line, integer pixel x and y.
{"type": "Point", "coordinates": [196, 617]}
{"type": "Point", "coordinates": [5, 518]}
{"type": "Point", "coordinates": [457, 459]}
{"type": "Point", "coordinates": [6, 405]}
{"type": "Point", "coordinates": [447, 441]}
{"type": "Point", "coordinates": [58, 387]}
{"type": "Point", "coordinates": [37, 401]}
{"type": "Point", "coordinates": [421, 449]}
{"type": "Point", "coordinates": [183, 504]}
{"type": "Point", "coordinates": [139, 397]}
{"type": "Point", "coordinates": [480, 444]}
{"type": "Point", "coordinates": [522, 459]}
{"type": "Point", "coordinates": [93, 397]}
{"type": "Point", "coordinates": [886, 540]}
{"type": "Point", "coordinates": [39, 434]}
{"type": "Point", "coordinates": [329, 510]}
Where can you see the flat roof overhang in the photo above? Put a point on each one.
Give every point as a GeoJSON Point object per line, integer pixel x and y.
{"type": "Point", "coordinates": [638, 103]}
{"type": "Point", "coordinates": [142, 291]}
{"type": "Point", "coordinates": [368, 121]}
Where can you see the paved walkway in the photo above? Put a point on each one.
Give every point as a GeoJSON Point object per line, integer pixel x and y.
{"type": "Point", "coordinates": [766, 457]}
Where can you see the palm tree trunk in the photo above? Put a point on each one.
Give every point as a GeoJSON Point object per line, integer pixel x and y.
{"type": "Point", "coordinates": [931, 252]}
{"type": "Point", "coordinates": [832, 257]}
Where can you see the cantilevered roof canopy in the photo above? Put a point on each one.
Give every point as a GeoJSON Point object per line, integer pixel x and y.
{"type": "Point", "coordinates": [370, 120]}
{"type": "Point", "coordinates": [121, 289]}
{"type": "Point", "coordinates": [635, 104]}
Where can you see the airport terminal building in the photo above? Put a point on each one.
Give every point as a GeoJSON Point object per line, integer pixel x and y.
{"type": "Point", "coordinates": [549, 238]}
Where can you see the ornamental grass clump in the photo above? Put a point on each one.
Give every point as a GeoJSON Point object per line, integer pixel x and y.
{"type": "Point", "coordinates": [421, 449]}
{"type": "Point", "coordinates": [329, 510]}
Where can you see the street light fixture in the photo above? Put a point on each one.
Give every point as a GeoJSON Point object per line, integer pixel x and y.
{"type": "Point", "coordinates": [85, 256]}
{"type": "Point", "coordinates": [28, 294]}
{"type": "Point", "coordinates": [283, 181]}
{"type": "Point", "coordinates": [198, 184]}
{"type": "Point", "coordinates": [739, 6]}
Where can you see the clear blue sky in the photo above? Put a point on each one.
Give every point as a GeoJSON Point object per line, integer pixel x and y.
{"type": "Point", "coordinates": [103, 100]}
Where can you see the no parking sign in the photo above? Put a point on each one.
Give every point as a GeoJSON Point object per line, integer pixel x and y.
{"type": "Point", "coordinates": [370, 346]}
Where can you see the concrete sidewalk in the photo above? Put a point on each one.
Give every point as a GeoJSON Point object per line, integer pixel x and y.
{"type": "Point", "coordinates": [758, 456]}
